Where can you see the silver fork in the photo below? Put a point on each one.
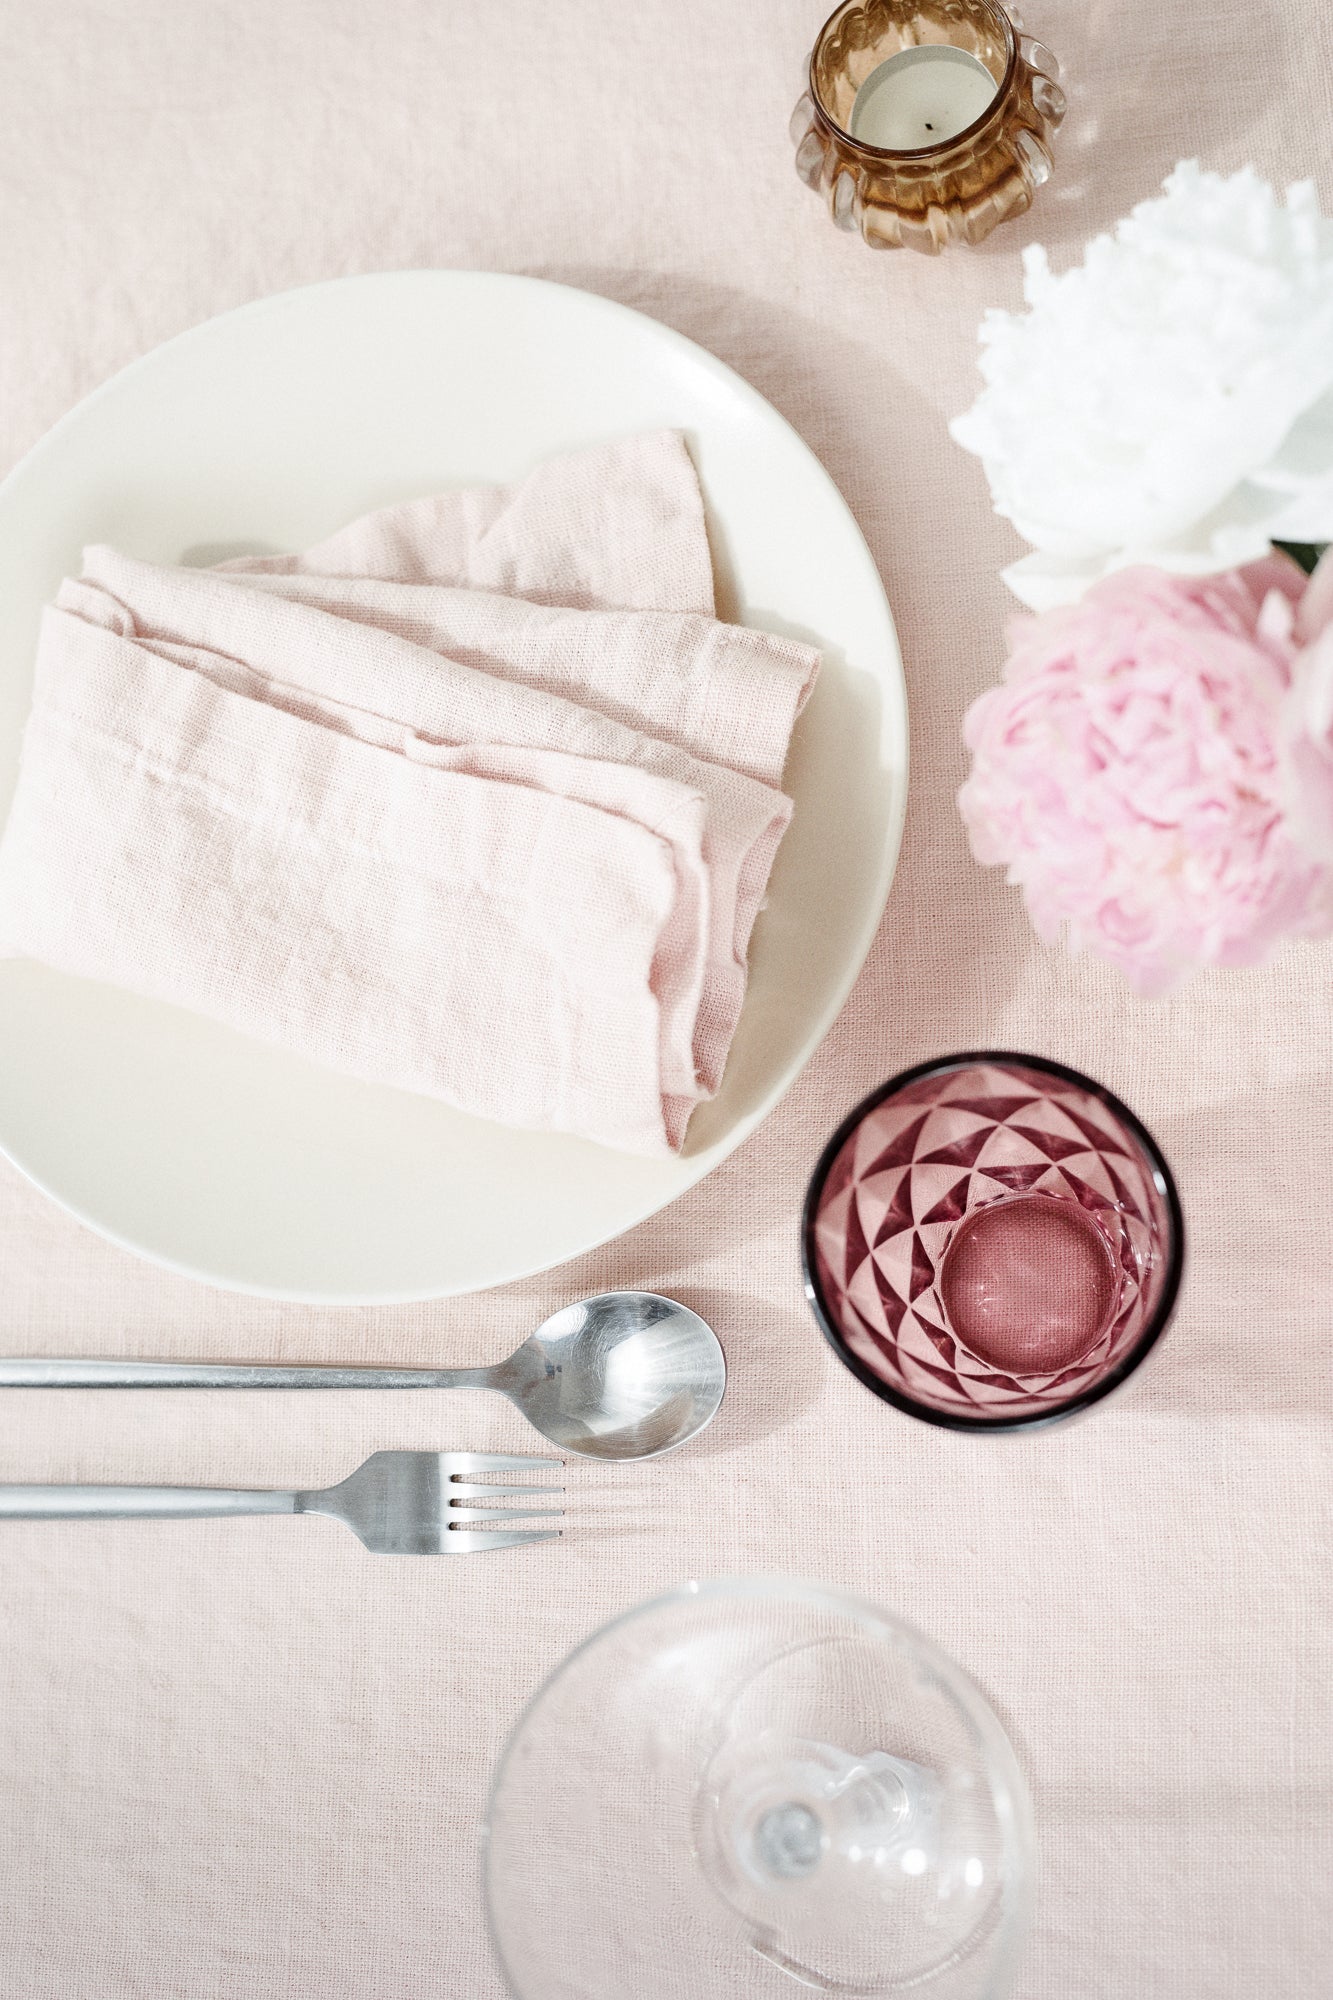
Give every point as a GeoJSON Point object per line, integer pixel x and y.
{"type": "Point", "coordinates": [400, 1503]}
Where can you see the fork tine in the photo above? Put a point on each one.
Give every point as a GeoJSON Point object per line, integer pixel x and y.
{"type": "Point", "coordinates": [466, 1490]}
{"type": "Point", "coordinates": [494, 1461]}
{"type": "Point", "coordinates": [499, 1538]}
{"type": "Point", "coordinates": [461, 1517]}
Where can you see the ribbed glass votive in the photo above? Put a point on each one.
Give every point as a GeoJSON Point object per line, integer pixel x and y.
{"type": "Point", "coordinates": [926, 122]}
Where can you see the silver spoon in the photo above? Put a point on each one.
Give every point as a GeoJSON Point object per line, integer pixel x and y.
{"type": "Point", "coordinates": [624, 1375]}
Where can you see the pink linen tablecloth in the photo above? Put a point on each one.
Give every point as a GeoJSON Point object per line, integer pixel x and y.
{"type": "Point", "coordinates": [246, 1761]}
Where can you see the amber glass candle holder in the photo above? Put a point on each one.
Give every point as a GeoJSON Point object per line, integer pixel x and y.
{"type": "Point", "coordinates": [887, 76]}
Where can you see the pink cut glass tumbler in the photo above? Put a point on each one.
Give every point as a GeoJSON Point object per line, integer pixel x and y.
{"type": "Point", "coordinates": [992, 1241]}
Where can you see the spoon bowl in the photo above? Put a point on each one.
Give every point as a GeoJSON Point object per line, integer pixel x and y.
{"type": "Point", "coordinates": [620, 1376]}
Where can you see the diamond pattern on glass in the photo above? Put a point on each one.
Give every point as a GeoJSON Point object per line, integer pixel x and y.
{"type": "Point", "coordinates": [991, 1240]}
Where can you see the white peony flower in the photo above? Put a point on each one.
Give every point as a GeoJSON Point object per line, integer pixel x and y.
{"type": "Point", "coordinates": [1169, 400]}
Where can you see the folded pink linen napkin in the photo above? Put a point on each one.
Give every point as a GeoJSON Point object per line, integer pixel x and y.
{"type": "Point", "coordinates": [618, 527]}
{"type": "Point", "coordinates": [499, 850]}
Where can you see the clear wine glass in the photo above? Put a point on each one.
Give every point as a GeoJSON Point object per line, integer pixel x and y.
{"type": "Point", "coordinates": [757, 1787]}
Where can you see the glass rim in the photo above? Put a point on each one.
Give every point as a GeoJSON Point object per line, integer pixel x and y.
{"type": "Point", "coordinates": [1010, 1791]}
{"type": "Point", "coordinates": [954, 1420]}
{"type": "Point", "coordinates": [825, 117]}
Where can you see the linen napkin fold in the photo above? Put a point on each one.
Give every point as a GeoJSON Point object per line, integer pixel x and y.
{"type": "Point", "coordinates": [618, 527]}
{"type": "Point", "coordinates": [502, 851]}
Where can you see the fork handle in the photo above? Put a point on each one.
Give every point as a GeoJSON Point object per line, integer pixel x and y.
{"type": "Point", "coordinates": [39, 1372]}
{"type": "Point", "coordinates": [87, 1503]}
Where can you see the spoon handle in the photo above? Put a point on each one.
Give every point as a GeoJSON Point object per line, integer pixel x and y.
{"type": "Point", "coordinates": [37, 1372]}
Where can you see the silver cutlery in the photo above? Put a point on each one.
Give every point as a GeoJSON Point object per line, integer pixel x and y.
{"type": "Point", "coordinates": [621, 1376]}
{"type": "Point", "coordinates": [400, 1503]}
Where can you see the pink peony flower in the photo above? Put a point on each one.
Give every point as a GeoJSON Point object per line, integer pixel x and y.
{"type": "Point", "coordinates": [1308, 732]}
{"type": "Point", "coordinates": [1128, 772]}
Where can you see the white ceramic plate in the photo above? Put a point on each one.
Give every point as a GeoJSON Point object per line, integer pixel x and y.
{"type": "Point", "coordinates": [269, 427]}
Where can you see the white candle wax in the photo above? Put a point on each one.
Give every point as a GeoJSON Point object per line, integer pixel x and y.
{"type": "Point", "coordinates": [921, 97]}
